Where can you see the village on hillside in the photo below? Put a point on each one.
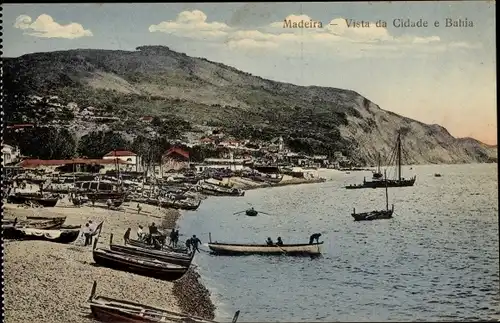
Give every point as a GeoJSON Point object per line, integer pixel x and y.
{"type": "Point", "coordinates": [231, 154]}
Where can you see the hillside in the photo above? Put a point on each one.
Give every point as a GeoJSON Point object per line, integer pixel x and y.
{"type": "Point", "coordinates": [156, 81]}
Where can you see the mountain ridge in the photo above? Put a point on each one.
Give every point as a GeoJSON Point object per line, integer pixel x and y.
{"type": "Point", "coordinates": [155, 80]}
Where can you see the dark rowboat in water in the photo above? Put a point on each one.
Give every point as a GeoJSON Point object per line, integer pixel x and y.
{"type": "Point", "coordinates": [107, 309]}
{"type": "Point", "coordinates": [59, 236]}
{"type": "Point", "coordinates": [375, 215]}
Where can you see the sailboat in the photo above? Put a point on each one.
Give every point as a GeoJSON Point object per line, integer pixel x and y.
{"type": "Point", "coordinates": [398, 182]}
{"type": "Point", "coordinates": [376, 215]}
{"type": "Point", "coordinates": [377, 174]}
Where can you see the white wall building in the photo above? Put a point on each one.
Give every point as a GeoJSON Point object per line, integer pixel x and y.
{"type": "Point", "coordinates": [126, 156]}
{"type": "Point", "coordinates": [9, 154]}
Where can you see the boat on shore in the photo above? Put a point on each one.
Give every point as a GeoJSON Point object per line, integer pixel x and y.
{"type": "Point", "coordinates": [304, 249]}
{"type": "Point", "coordinates": [144, 266]}
{"type": "Point", "coordinates": [42, 223]}
{"type": "Point", "coordinates": [144, 245]}
{"type": "Point", "coordinates": [33, 198]}
{"type": "Point", "coordinates": [171, 257]}
{"type": "Point", "coordinates": [59, 236]}
{"type": "Point", "coordinates": [106, 309]}
{"type": "Point", "coordinates": [219, 190]}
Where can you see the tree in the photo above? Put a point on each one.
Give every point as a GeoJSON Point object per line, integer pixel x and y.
{"type": "Point", "coordinates": [98, 143]}
{"type": "Point", "coordinates": [44, 142]}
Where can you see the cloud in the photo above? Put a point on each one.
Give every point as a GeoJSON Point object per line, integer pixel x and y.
{"type": "Point", "coordinates": [337, 37]}
{"type": "Point", "coordinates": [192, 24]}
{"type": "Point", "coordinates": [44, 26]}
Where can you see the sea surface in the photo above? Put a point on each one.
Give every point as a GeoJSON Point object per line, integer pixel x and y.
{"type": "Point", "coordinates": [437, 259]}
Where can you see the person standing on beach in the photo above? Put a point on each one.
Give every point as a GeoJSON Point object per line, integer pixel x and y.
{"type": "Point", "coordinates": [194, 243]}
{"type": "Point", "coordinates": [188, 244]}
{"type": "Point", "coordinates": [172, 238]}
{"type": "Point", "coordinates": [140, 233]}
{"type": "Point", "coordinates": [87, 233]}
{"type": "Point", "coordinates": [126, 236]}
{"type": "Point", "coordinates": [109, 203]}
{"type": "Point", "coordinates": [138, 208]}
{"type": "Point", "coordinates": [176, 238]}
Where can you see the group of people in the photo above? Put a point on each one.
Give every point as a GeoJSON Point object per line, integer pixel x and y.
{"type": "Point", "coordinates": [270, 242]}
{"type": "Point", "coordinates": [174, 238]}
{"type": "Point", "coordinates": [154, 237]}
{"type": "Point", "coordinates": [279, 242]}
{"type": "Point", "coordinates": [192, 244]}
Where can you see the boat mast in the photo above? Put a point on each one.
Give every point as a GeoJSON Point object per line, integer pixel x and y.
{"type": "Point", "coordinates": [386, 193]}
{"type": "Point", "coordinates": [399, 156]}
{"type": "Point", "coordinates": [378, 169]}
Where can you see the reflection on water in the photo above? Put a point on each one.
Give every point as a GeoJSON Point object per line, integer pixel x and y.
{"type": "Point", "coordinates": [436, 260]}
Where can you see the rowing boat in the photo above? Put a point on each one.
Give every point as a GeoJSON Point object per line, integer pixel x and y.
{"type": "Point", "coordinates": [59, 236]}
{"type": "Point", "coordinates": [144, 266]}
{"type": "Point", "coordinates": [175, 258]}
{"type": "Point", "coordinates": [263, 249]}
{"type": "Point", "coordinates": [44, 224]}
{"type": "Point", "coordinates": [140, 244]}
{"type": "Point", "coordinates": [106, 309]}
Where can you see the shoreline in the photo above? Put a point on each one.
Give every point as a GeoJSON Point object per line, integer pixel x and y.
{"type": "Point", "coordinates": [51, 280]}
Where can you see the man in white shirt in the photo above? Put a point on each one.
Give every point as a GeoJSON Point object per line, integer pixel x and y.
{"type": "Point", "coordinates": [140, 233]}
{"type": "Point", "coordinates": [87, 233]}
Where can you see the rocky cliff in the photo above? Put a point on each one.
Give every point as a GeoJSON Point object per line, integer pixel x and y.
{"type": "Point", "coordinates": [154, 80]}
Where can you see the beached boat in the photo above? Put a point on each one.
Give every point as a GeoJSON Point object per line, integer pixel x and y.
{"type": "Point", "coordinates": [437, 175]}
{"type": "Point", "coordinates": [219, 190]}
{"type": "Point", "coordinates": [22, 198]}
{"type": "Point", "coordinates": [378, 214]}
{"type": "Point", "coordinates": [144, 245]}
{"type": "Point", "coordinates": [264, 249]}
{"type": "Point", "coordinates": [171, 257]}
{"type": "Point", "coordinates": [144, 266]}
{"type": "Point", "coordinates": [42, 223]}
{"type": "Point", "coordinates": [107, 309]}
{"type": "Point", "coordinates": [59, 236]}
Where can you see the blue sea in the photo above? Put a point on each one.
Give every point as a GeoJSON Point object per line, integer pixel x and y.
{"type": "Point", "coordinates": [437, 259]}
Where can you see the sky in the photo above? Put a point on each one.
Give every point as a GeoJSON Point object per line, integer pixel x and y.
{"type": "Point", "coordinates": [434, 74]}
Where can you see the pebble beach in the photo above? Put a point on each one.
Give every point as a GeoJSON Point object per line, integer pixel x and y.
{"type": "Point", "coordinates": [51, 282]}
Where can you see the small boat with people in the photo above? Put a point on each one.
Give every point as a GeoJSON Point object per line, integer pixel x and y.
{"type": "Point", "coordinates": [145, 245]}
{"type": "Point", "coordinates": [251, 212]}
{"type": "Point", "coordinates": [106, 309]}
{"type": "Point", "coordinates": [270, 248]}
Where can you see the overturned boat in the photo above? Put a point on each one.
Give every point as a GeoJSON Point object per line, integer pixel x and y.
{"type": "Point", "coordinates": [59, 236]}
{"type": "Point", "coordinates": [107, 309]}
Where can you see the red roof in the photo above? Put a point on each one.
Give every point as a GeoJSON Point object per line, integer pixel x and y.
{"type": "Point", "coordinates": [178, 151]}
{"type": "Point", "coordinates": [119, 153]}
{"type": "Point", "coordinates": [32, 163]}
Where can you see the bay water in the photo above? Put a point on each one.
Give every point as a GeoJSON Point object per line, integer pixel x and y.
{"type": "Point", "coordinates": [437, 259]}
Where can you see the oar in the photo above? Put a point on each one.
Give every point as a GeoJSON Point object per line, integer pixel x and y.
{"type": "Point", "coordinates": [238, 212]}
{"type": "Point", "coordinates": [281, 249]}
{"type": "Point", "coordinates": [264, 213]}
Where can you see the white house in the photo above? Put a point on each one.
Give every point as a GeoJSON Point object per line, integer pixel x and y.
{"type": "Point", "coordinates": [126, 156]}
{"type": "Point", "coordinates": [9, 154]}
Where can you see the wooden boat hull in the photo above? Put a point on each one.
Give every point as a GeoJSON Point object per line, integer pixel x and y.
{"type": "Point", "coordinates": [140, 244]}
{"type": "Point", "coordinates": [180, 205]}
{"type": "Point", "coordinates": [58, 236]}
{"type": "Point", "coordinates": [382, 184]}
{"type": "Point", "coordinates": [138, 265]}
{"type": "Point", "coordinates": [249, 249]}
{"type": "Point", "coordinates": [106, 309]}
{"type": "Point", "coordinates": [251, 212]}
{"type": "Point", "coordinates": [370, 216]}
{"type": "Point", "coordinates": [166, 256]}
{"type": "Point", "coordinates": [52, 224]}
{"type": "Point", "coordinates": [20, 199]}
